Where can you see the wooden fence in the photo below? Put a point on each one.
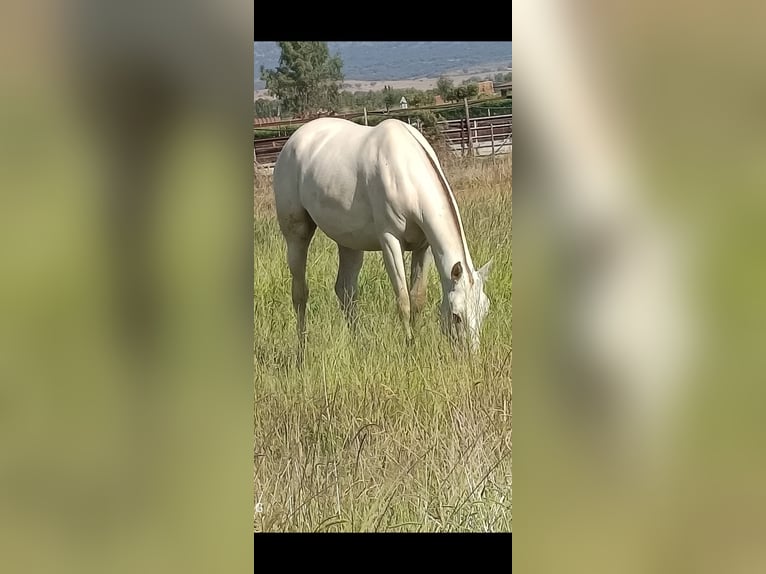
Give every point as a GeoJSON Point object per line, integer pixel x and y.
{"type": "Point", "coordinates": [479, 136]}
{"type": "Point", "coordinates": [466, 136]}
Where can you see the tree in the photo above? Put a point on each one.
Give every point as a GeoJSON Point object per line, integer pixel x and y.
{"type": "Point", "coordinates": [389, 97]}
{"type": "Point", "coordinates": [458, 93]}
{"type": "Point", "coordinates": [346, 100]}
{"type": "Point", "coordinates": [307, 78]}
{"type": "Point", "coordinates": [264, 108]}
{"type": "Point", "coordinates": [472, 90]}
{"type": "Point", "coordinates": [444, 87]}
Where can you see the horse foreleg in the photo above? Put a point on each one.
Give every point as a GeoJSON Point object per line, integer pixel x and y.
{"type": "Point", "coordinates": [421, 264]}
{"type": "Point", "coordinates": [392, 256]}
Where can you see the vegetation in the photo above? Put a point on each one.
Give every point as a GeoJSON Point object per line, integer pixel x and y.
{"type": "Point", "coordinates": [426, 120]}
{"type": "Point", "coordinates": [307, 78]}
{"type": "Point", "coordinates": [444, 86]}
{"type": "Point", "coordinates": [389, 97]}
{"type": "Point", "coordinates": [373, 435]}
{"type": "Point", "coordinates": [277, 131]}
{"type": "Point", "coordinates": [497, 78]}
{"type": "Point", "coordinates": [376, 100]}
{"type": "Point", "coordinates": [264, 108]}
{"type": "Point", "coordinates": [457, 94]}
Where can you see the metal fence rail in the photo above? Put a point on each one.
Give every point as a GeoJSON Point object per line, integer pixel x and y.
{"type": "Point", "coordinates": [478, 136]}
{"type": "Point", "coordinates": [267, 149]}
{"type": "Point", "coordinates": [492, 134]}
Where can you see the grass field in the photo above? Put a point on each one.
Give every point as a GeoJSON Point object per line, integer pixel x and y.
{"type": "Point", "coordinates": [373, 435]}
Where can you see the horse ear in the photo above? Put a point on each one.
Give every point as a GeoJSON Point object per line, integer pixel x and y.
{"type": "Point", "coordinates": [484, 271]}
{"type": "Point", "coordinates": [457, 271]}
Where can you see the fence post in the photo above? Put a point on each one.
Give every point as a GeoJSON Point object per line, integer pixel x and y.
{"type": "Point", "coordinates": [365, 116]}
{"type": "Point", "coordinates": [468, 127]}
{"type": "Point", "coordinates": [462, 138]}
{"type": "Point", "coordinates": [492, 139]}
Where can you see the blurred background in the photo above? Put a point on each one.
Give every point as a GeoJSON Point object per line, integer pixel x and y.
{"type": "Point", "coordinates": [126, 286]}
{"type": "Point", "coordinates": [126, 301]}
{"type": "Point", "coordinates": [639, 216]}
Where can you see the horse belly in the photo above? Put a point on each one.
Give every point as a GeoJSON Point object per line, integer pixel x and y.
{"type": "Point", "coordinates": [347, 222]}
{"type": "Point", "coordinates": [364, 238]}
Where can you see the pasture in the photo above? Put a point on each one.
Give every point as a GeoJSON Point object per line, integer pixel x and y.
{"type": "Point", "coordinates": [373, 435]}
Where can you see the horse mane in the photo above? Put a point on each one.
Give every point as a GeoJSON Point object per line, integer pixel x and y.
{"type": "Point", "coordinates": [431, 155]}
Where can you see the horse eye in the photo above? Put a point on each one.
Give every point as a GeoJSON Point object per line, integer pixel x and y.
{"type": "Point", "coordinates": [456, 318]}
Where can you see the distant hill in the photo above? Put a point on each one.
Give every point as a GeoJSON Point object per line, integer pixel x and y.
{"type": "Point", "coordinates": [401, 60]}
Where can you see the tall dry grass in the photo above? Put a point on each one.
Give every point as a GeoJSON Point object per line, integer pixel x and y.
{"type": "Point", "coordinates": [372, 435]}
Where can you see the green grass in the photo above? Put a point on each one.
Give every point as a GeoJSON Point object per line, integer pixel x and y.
{"type": "Point", "coordinates": [372, 435]}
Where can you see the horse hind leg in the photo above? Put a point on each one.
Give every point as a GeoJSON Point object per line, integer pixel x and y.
{"type": "Point", "coordinates": [346, 286]}
{"type": "Point", "coordinates": [298, 234]}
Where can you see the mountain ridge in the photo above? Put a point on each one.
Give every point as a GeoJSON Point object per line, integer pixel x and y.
{"type": "Point", "coordinates": [392, 60]}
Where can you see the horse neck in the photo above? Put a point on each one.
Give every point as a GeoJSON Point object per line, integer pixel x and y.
{"type": "Point", "coordinates": [447, 243]}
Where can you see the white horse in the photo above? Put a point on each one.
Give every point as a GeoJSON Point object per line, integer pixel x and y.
{"type": "Point", "coordinates": [377, 189]}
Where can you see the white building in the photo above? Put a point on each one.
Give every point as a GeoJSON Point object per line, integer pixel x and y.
{"type": "Point", "coordinates": [403, 103]}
